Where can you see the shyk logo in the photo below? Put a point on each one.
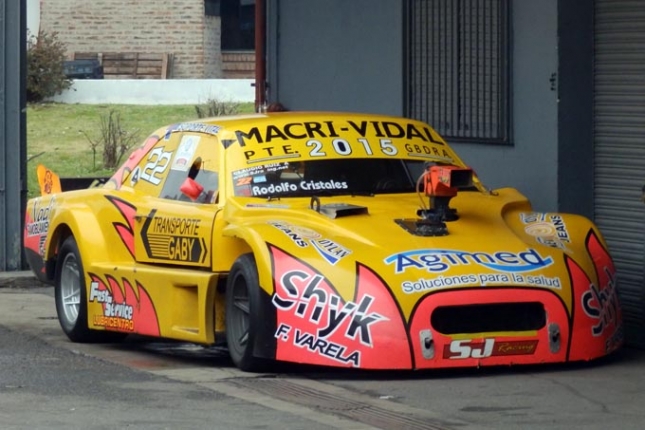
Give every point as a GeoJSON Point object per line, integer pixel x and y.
{"type": "Point", "coordinates": [316, 324]}
{"type": "Point", "coordinates": [601, 304]}
{"type": "Point", "coordinates": [326, 309]}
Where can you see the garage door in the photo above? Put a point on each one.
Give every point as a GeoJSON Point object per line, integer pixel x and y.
{"type": "Point", "coordinates": [619, 138]}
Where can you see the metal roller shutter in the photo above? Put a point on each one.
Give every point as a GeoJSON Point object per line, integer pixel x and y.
{"type": "Point", "coordinates": [619, 154]}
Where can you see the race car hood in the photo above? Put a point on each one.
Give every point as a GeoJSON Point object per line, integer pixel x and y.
{"type": "Point", "coordinates": [348, 289]}
{"type": "Point", "coordinates": [496, 241]}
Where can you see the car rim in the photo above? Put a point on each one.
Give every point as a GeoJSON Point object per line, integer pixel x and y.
{"type": "Point", "coordinates": [70, 288]}
{"type": "Point", "coordinates": [241, 315]}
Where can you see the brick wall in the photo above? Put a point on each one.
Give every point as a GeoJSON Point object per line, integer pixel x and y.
{"type": "Point", "coordinates": [172, 26]}
{"type": "Point", "coordinates": [238, 64]}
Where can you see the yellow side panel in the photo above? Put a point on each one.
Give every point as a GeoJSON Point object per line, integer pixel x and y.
{"type": "Point", "coordinates": [153, 301]}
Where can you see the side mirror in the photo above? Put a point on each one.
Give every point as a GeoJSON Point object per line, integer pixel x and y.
{"type": "Point", "coordinates": [191, 189]}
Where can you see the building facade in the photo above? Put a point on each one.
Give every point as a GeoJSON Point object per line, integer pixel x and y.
{"type": "Point", "coordinates": [189, 30]}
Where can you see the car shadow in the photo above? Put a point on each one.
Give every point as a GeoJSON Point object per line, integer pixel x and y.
{"type": "Point", "coordinates": [217, 356]}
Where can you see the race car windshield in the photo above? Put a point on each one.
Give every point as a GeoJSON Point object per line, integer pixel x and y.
{"type": "Point", "coordinates": [328, 177]}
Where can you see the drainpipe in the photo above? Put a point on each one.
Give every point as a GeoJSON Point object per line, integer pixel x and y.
{"type": "Point", "coordinates": [260, 60]}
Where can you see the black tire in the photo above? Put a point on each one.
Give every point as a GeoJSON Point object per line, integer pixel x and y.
{"type": "Point", "coordinates": [71, 297]}
{"type": "Point", "coordinates": [242, 302]}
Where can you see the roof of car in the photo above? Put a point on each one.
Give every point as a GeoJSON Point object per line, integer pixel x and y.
{"type": "Point", "coordinates": [231, 121]}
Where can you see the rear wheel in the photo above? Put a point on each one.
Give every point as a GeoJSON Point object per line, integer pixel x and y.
{"type": "Point", "coordinates": [242, 301]}
{"type": "Point", "coordinates": [71, 297]}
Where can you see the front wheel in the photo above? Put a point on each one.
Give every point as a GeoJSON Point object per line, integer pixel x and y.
{"type": "Point", "coordinates": [242, 301]}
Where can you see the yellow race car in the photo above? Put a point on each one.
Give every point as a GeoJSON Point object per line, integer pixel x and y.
{"type": "Point", "coordinates": [335, 239]}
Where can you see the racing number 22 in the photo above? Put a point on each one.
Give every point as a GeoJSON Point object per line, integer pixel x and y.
{"type": "Point", "coordinates": [158, 161]}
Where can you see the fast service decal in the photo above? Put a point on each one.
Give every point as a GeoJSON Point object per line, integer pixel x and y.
{"type": "Point", "coordinates": [315, 325]}
{"type": "Point", "coordinates": [596, 312]}
{"type": "Point", "coordinates": [174, 238]}
{"type": "Point", "coordinates": [124, 308]}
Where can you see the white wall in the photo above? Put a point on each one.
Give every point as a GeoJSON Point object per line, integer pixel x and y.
{"type": "Point", "coordinates": [157, 91]}
{"type": "Point", "coordinates": [33, 16]}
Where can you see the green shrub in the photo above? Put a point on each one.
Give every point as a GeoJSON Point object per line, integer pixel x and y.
{"type": "Point", "coordinates": [45, 75]}
{"type": "Point", "coordinates": [214, 107]}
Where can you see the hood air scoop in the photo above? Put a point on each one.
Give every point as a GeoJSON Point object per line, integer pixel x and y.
{"type": "Point", "coordinates": [336, 210]}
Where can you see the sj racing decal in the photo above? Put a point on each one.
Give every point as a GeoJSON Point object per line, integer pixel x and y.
{"type": "Point", "coordinates": [124, 308]}
{"type": "Point", "coordinates": [316, 325]}
{"type": "Point", "coordinates": [469, 348]}
{"type": "Point", "coordinates": [597, 300]}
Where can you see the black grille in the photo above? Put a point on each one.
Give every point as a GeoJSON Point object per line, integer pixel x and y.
{"type": "Point", "coordinates": [489, 318]}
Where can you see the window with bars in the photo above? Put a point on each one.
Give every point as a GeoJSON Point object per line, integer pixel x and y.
{"type": "Point", "coordinates": [459, 68]}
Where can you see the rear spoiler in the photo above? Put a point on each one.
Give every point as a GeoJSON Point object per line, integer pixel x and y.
{"type": "Point", "coordinates": [51, 183]}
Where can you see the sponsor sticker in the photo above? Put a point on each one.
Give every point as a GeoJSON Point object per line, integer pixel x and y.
{"type": "Point", "coordinates": [330, 250]}
{"type": "Point", "coordinates": [315, 324]}
{"type": "Point", "coordinates": [185, 152]}
{"type": "Point", "coordinates": [123, 309]}
{"type": "Point", "coordinates": [469, 348]}
{"type": "Point", "coordinates": [602, 303]}
{"type": "Point", "coordinates": [440, 260]}
{"type": "Point", "coordinates": [195, 127]}
{"type": "Point", "coordinates": [173, 238]}
{"type": "Point", "coordinates": [548, 229]}
{"type": "Point", "coordinates": [423, 285]}
{"type": "Point", "coordinates": [290, 187]}
{"type": "Point", "coordinates": [40, 216]}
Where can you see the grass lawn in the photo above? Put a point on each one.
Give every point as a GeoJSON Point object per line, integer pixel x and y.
{"type": "Point", "coordinates": [57, 134]}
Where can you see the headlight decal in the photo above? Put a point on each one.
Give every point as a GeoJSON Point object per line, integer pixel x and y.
{"type": "Point", "coordinates": [597, 317]}
{"type": "Point", "coordinates": [316, 325]}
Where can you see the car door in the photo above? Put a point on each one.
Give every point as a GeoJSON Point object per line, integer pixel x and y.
{"type": "Point", "coordinates": [170, 227]}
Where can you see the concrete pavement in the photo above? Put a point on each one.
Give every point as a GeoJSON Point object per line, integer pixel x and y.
{"type": "Point", "coordinates": [607, 393]}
